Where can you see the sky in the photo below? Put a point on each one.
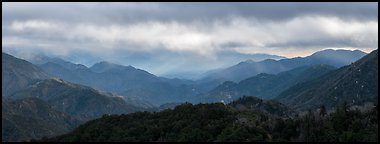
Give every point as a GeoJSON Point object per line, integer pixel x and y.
{"type": "Point", "coordinates": [185, 38]}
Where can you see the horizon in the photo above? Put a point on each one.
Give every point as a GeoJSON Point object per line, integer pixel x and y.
{"type": "Point", "coordinates": [198, 74]}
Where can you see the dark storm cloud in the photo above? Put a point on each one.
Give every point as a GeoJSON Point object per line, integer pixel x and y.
{"type": "Point", "coordinates": [133, 12]}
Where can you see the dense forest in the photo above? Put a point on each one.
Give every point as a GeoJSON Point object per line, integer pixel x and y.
{"type": "Point", "coordinates": [219, 122]}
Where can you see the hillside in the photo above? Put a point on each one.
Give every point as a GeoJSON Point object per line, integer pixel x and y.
{"type": "Point", "coordinates": [32, 118]}
{"type": "Point", "coordinates": [17, 74]}
{"type": "Point", "coordinates": [77, 100]}
{"type": "Point", "coordinates": [264, 85]}
{"type": "Point", "coordinates": [356, 83]}
{"type": "Point", "coordinates": [217, 122]}
{"type": "Point", "coordinates": [265, 106]}
{"type": "Point", "coordinates": [127, 81]}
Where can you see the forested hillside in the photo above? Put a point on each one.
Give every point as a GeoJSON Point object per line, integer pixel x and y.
{"type": "Point", "coordinates": [218, 122]}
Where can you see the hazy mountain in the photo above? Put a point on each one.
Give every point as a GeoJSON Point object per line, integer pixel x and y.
{"type": "Point", "coordinates": [356, 83]}
{"type": "Point", "coordinates": [127, 81]}
{"type": "Point", "coordinates": [17, 74]}
{"type": "Point", "coordinates": [250, 68]}
{"type": "Point", "coordinates": [77, 100]}
{"type": "Point", "coordinates": [180, 68]}
{"type": "Point", "coordinates": [32, 118]}
{"type": "Point", "coordinates": [60, 71]}
{"type": "Point", "coordinates": [105, 66]}
{"type": "Point", "coordinates": [235, 56]}
{"type": "Point", "coordinates": [42, 59]}
{"type": "Point", "coordinates": [118, 78]}
{"type": "Point", "coordinates": [264, 85]}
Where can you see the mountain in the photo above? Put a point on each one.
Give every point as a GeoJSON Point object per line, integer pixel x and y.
{"type": "Point", "coordinates": [337, 58]}
{"type": "Point", "coordinates": [127, 81]}
{"type": "Point", "coordinates": [17, 74]}
{"type": "Point", "coordinates": [105, 66]}
{"type": "Point", "coordinates": [234, 56]}
{"type": "Point", "coordinates": [264, 85]}
{"type": "Point", "coordinates": [355, 84]}
{"type": "Point", "coordinates": [39, 59]}
{"type": "Point", "coordinates": [60, 71]}
{"type": "Point", "coordinates": [32, 118]}
{"type": "Point", "coordinates": [36, 106]}
{"type": "Point", "coordinates": [81, 101]}
{"type": "Point", "coordinates": [249, 119]}
{"type": "Point", "coordinates": [250, 68]}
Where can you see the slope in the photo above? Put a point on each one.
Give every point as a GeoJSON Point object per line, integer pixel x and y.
{"type": "Point", "coordinates": [17, 74]}
{"type": "Point", "coordinates": [356, 83]}
{"type": "Point", "coordinates": [81, 101]}
{"type": "Point", "coordinates": [32, 118]}
{"type": "Point", "coordinates": [263, 85]}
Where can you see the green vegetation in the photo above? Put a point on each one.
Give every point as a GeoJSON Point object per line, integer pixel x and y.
{"type": "Point", "coordinates": [218, 122]}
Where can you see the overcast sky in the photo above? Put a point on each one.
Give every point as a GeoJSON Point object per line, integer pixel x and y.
{"type": "Point", "coordinates": [165, 37]}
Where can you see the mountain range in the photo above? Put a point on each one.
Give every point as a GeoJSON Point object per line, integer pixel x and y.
{"type": "Point", "coordinates": [34, 102]}
{"type": "Point", "coordinates": [264, 85]}
{"type": "Point", "coordinates": [144, 87]}
{"type": "Point", "coordinates": [249, 68]}
{"type": "Point", "coordinates": [126, 81]}
{"type": "Point", "coordinates": [63, 95]}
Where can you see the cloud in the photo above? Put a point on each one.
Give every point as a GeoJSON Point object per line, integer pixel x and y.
{"type": "Point", "coordinates": [184, 12]}
{"type": "Point", "coordinates": [199, 37]}
{"type": "Point", "coordinates": [193, 33]}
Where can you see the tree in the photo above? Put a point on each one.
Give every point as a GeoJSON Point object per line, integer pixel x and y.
{"type": "Point", "coordinates": [322, 111]}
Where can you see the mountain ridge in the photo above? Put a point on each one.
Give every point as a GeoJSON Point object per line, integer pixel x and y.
{"type": "Point", "coordinates": [354, 83]}
{"type": "Point", "coordinates": [81, 101]}
{"type": "Point", "coordinates": [264, 85]}
{"type": "Point", "coordinates": [248, 68]}
{"type": "Point", "coordinates": [18, 74]}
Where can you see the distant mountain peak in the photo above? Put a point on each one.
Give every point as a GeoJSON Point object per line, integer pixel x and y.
{"type": "Point", "coordinates": [330, 51]}
{"type": "Point", "coordinates": [249, 61]}
{"type": "Point", "coordinates": [252, 61]}
{"type": "Point", "coordinates": [103, 66]}
{"type": "Point", "coordinates": [269, 60]}
{"type": "Point", "coordinates": [107, 63]}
